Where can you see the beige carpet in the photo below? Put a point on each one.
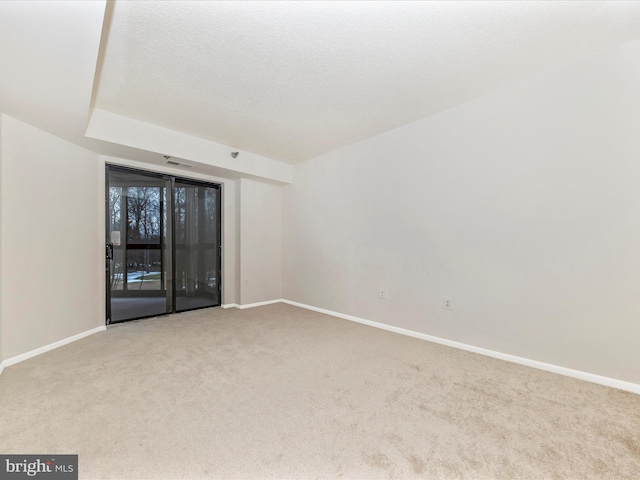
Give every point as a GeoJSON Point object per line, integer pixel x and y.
{"type": "Point", "coordinates": [281, 392]}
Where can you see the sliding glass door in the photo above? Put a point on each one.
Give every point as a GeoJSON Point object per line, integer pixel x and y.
{"type": "Point", "coordinates": [197, 245]}
{"type": "Point", "coordinates": [163, 244]}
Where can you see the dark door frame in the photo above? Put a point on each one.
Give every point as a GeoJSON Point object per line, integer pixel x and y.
{"type": "Point", "coordinates": [171, 210]}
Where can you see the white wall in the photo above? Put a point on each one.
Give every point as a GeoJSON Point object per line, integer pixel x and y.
{"type": "Point", "coordinates": [523, 207]}
{"type": "Point", "coordinates": [50, 243]}
{"type": "Point", "coordinates": [49, 52]}
{"type": "Point", "coordinates": [236, 244]}
{"type": "Point", "coordinates": [1, 355]}
{"type": "Point", "coordinates": [230, 232]}
{"type": "Point", "coordinates": [260, 241]}
{"type": "Point", "coordinates": [122, 130]}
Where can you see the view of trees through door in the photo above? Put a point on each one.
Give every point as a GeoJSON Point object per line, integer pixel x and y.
{"type": "Point", "coordinates": [196, 244]}
{"type": "Point", "coordinates": [163, 244]}
{"type": "Point", "coordinates": [143, 267]}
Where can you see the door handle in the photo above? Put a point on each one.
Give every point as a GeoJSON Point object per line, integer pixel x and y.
{"type": "Point", "coordinates": [109, 251]}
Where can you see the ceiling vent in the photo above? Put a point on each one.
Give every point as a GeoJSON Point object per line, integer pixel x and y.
{"type": "Point", "coordinates": [179, 164]}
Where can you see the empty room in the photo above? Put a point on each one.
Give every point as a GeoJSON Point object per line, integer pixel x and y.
{"type": "Point", "coordinates": [317, 239]}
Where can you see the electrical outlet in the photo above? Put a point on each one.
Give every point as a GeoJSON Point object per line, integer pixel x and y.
{"type": "Point", "coordinates": [383, 293]}
{"type": "Point", "coordinates": [447, 304]}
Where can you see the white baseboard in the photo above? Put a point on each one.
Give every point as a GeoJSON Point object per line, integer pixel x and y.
{"type": "Point", "coordinates": [24, 356]}
{"type": "Point", "coordinates": [251, 305]}
{"type": "Point", "coordinates": [568, 372]}
{"type": "Point", "coordinates": [589, 377]}
{"type": "Point", "coordinates": [259, 304]}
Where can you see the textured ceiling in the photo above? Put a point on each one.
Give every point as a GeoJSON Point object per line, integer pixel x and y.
{"type": "Point", "coordinates": [291, 80]}
{"type": "Point", "coordinates": [48, 53]}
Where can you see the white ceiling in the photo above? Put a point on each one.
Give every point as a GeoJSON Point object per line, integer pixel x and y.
{"type": "Point", "coordinates": [284, 80]}
{"type": "Point", "coordinates": [291, 80]}
{"type": "Point", "coordinates": [48, 56]}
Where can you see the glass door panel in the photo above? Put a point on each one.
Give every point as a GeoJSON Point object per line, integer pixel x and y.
{"type": "Point", "coordinates": [197, 244]}
{"type": "Point", "coordinates": [138, 247]}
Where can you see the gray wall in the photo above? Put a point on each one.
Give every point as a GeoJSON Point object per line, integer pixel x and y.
{"type": "Point", "coordinates": [260, 241]}
{"type": "Point", "coordinates": [51, 248]}
{"type": "Point", "coordinates": [1, 203]}
{"type": "Point", "coordinates": [522, 207]}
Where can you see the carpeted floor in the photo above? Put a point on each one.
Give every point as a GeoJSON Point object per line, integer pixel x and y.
{"type": "Point", "coordinates": [282, 392]}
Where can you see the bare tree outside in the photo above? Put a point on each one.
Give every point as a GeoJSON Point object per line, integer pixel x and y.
{"type": "Point", "coordinates": [143, 223]}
